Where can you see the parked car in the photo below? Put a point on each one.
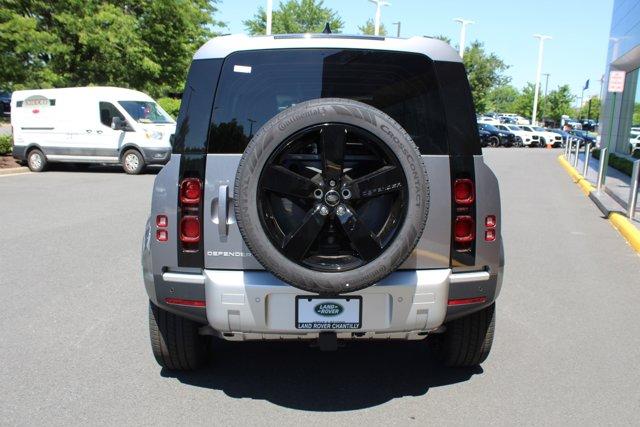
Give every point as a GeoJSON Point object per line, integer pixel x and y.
{"type": "Point", "coordinates": [544, 137]}
{"type": "Point", "coordinates": [634, 143]}
{"type": "Point", "coordinates": [484, 137]}
{"type": "Point", "coordinates": [488, 120]}
{"type": "Point", "coordinates": [519, 120]}
{"type": "Point", "coordinates": [498, 137]}
{"type": "Point", "coordinates": [566, 136]}
{"type": "Point", "coordinates": [90, 125]}
{"type": "Point", "coordinates": [508, 120]}
{"type": "Point", "coordinates": [584, 135]}
{"type": "Point", "coordinates": [5, 103]}
{"type": "Point", "coordinates": [313, 228]}
{"type": "Point", "coordinates": [589, 125]}
{"type": "Point", "coordinates": [522, 138]}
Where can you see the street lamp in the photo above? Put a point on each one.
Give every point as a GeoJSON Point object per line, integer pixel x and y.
{"type": "Point", "coordinates": [543, 110]}
{"type": "Point", "coordinates": [463, 32]}
{"type": "Point", "coordinates": [538, 71]}
{"type": "Point", "coordinates": [379, 4]}
{"type": "Point", "coordinates": [398, 24]}
{"type": "Point", "coordinates": [269, 16]}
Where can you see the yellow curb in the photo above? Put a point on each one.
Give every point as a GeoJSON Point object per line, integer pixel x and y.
{"type": "Point", "coordinates": [626, 229]}
{"type": "Point", "coordinates": [13, 171]}
{"type": "Point", "coordinates": [621, 223]}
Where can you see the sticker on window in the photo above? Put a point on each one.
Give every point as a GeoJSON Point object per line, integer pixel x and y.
{"type": "Point", "coordinates": [242, 69]}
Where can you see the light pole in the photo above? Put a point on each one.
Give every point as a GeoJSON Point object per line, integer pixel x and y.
{"type": "Point", "coordinates": [463, 32]}
{"type": "Point", "coordinates": [543, 110]}
{"type": "Point", "coordinates": [398, 24]}
{"type": "Point", "coordinates": [379, 4]}
{"type": "Point", "coordinates": [538, 71]}
{"type": "Point", "coordinates": [269, 16]}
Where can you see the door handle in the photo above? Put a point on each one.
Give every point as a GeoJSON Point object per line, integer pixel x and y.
{"type": "Point", "coordinates": [223, 207]}
{"type": "Point", "coordinates": [99, 132]}
{"type": "Point", "coordinates": [88, 130]}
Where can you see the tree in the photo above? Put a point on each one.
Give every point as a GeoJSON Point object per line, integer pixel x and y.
{"type": "Point", "coordinates": [295, 16]}
{"type": "Point", "coordinates": [370, 28]}
{"type": "Point", "coordinates": [485, 73]}
{"type": "Point", "coordinates": [558, 103]}
{"type": "Point", "coordinates": [592, 112]}
{"type": "Point", "coordinates": [524, 102]}
{"type": "Point", "coordinates": [501, 99]}
{"type": "Point", "coordinates": [444, 38]}
{"type": "Point", "coordinates": [145, 44]}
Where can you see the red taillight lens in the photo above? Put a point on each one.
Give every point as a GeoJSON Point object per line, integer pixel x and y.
{"type": "Point", "coordinates": [162, 235]}
{"type": "Point", "coordinates": [185, 302]}
{"type": "Point", "coordinates": [465, 301]}
{"type": "Point", "coordinates": [190, 191]}
{"type": "Point", "coordinates": [190, 229]}
{"type": "Point", "coordinates": [490, 235]}
{"type": "Point", "coordinates": [464, 191]}
{"type": "Point", "coordinates": [162, 221]}
{"type": "Point", "coordinates": [464, 229]}
{"type": "Point", "coordinates": [490, 221]}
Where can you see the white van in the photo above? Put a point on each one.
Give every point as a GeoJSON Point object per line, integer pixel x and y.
{"type": "Point", "coordinates": [90, 125]}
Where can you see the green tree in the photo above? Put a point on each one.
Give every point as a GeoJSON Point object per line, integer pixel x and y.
{"type": "Point", "coordinates": [501, 98]}
{"type": "Point", "coordinates": [636, 114]}
{"type": "Point", "coordinates": [593, 111]}
{"type": "Point", "coordinates": [295, 16]}
{"type": "Point", "coordinates": [524, 102]}
{"type": "Point", "coordinates": [370, 28]}
{"type": "Point", "coordinates": [443, 38]}
{"type": "Point", "coordinates": [557, 103]}
{"type": "Point", "coordinates": [485, 73]}
{"type": "Point", "coordinates": [145, 44]}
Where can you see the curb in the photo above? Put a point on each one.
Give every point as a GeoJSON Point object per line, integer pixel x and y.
{"type": "Point", "coordinates": [14, 171]}
{"type": "Point", "coordinates": [620, 222]}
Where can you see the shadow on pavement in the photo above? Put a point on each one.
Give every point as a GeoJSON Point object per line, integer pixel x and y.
{"type": "Point", "coordinates": [79, 167]}
{"type": "Point", "coordinates": [294, 375]}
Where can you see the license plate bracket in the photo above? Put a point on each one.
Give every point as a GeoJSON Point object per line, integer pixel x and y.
{"type": "Point", "coordinates": [328, 313]}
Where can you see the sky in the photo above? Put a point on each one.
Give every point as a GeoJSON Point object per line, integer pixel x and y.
{"type": "Point", "coordinates": [576, 52]}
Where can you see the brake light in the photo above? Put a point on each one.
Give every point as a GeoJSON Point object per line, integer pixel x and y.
{"type": "Point", "coordinates": [465, 301]}
{"type": "Point", "coordinates": [490, 221]}
{"type": "Point", "coordinates": [190, 191]}
{"type": "Point", "coordinates": [464, 229]}
{"type": "Point", "coordinates": [185, 302]}
{"type": "Point", "coordinates": [190, 229]}
{"type": "Point", "coordinates": [162, 235]}
{"type": "Point", "coordinates": [490, 233]}
{"type": "Point", "coordinates": [464, 191]}
{"type": "Point", "coordinates": [162, 221]}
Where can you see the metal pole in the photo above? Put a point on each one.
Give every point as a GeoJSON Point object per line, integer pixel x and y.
{"type": "Point", "coordinates": [398, 24]}
{"type": "Point", "coordinates": [633, 195]}
{"type": "Point", "coordinates": [567, 148]}
{"type": "Point", "coordinates": [575, 159]}
{"type": "Point", "coordinates": [269, 16]}
{"type": "Point", "coordinates": [463, 34]}
{"type": "Point", "coordinates": [603, 156]}
{"type": "Point", "coordinates": [587, 152]}
{"type": "Point", "coordinates": [538, 71]}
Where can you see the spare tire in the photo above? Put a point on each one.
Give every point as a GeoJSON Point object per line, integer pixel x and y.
{"type": "Point", "coordinates": [331, 195]}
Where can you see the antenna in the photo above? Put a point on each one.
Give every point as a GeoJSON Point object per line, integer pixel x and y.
{"type": "Point", "coordinates": [327, 29]}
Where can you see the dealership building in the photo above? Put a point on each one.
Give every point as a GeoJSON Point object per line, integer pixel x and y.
{"type": "Point", "coordinates": [620, 115]}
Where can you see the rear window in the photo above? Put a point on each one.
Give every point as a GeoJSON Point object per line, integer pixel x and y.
{"type": "Point", "coordinates": [254, 86]}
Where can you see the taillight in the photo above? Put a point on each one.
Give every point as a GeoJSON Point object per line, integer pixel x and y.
{"type": "Point", "coordinates": [162, 235]}
{"type": "Point", "coordinates": [464, 192]}
{"type": "Point", "coordinates": [464, 229]}
{"type": "Point", "coordinates": [190, 229]}
{"type": "Point", "coordinates": [490, 223]}
{"type": "Point", "coordinates": [162, 222]}
{"type": "Point", "coordinates": [190, 191]}
{"type": "Point", "coordinates": [185, 302]}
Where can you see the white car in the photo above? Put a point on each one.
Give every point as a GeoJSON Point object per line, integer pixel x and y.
{"type": "Point", "coordinates": [90, 125]}
{"type": "Point", "coordinates": [544, 137]}
{"type": "Point", "coordinates": [634, 142]}
{"type": "Point", "coordinates": [519, 119]}
{"type": "Point", "coordinates": [488, 120]}
{"type": "Point", "coordinates": [525, 137]}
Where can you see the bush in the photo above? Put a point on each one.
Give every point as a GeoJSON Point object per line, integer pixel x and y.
{"type": "Point", "coordinates": [170, 105]}
{"type": "Point", "coordinates": [6, 144]}
{"type": "Point", "coordinates": [623, 164]}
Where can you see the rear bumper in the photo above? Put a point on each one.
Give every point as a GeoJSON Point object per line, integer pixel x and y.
{"type": "Point", "coordinates": [251, 305]}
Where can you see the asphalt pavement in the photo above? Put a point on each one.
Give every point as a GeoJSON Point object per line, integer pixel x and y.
{"type": "Point", "coordinates": [74, 346]}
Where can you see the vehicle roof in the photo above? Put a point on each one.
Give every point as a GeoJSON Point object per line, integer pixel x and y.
{"type": "Point", "coordinates": [103, 91]}
{"type": "Point", "coordinates": [221, 47]}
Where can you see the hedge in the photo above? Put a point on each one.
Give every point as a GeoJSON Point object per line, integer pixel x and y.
{"type": "Point", "coordinates": [623, 164]}
{"type": "Point", "coordinates": [170, 105]}
{"type": "Point", "coordinates": [6, 144]}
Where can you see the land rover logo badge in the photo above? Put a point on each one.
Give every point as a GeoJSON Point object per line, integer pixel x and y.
{"type": "Point", "coordinates": [328, 309]}
{"type": "Point", "coordinates": [332, 198]}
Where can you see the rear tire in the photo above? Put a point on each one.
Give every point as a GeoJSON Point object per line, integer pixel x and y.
{"type": "Point", "coordinates": [494, 141]}
{"type": "Point", "coordinates": [36, 160]}
{"type": "Point", "coordinates": [175, 341]}
{"type": "Point", "coordinates": [467, 341]}
{"type": "Point", "coordinates": [133, 162]}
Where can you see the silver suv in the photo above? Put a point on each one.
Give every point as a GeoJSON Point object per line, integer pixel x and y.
{"type": "Point", "coordinates": [324, 188]}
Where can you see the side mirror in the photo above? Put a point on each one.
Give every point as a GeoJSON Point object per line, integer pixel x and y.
{"type": "Point", "coordinates": [118, 124]}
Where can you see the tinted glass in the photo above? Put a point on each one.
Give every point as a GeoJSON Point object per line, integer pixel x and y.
{"type": "Point", "coordinates": [459, 110]}
{"type": "Point", "coordinates": [107, 112]}
{"type": "Point", "coordinates": [255, 86]}
{"type": "Point", "coordinates": [195, 108]}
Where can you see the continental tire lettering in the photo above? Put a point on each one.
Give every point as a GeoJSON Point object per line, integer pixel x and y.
{"type": "Point", "coordinates": [296, 117]}
{"type": "Point", "coordinates": [409, 157]}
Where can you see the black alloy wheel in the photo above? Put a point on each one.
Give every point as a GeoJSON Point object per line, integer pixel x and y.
{"type": "Point", "coordinates": [332, 197]}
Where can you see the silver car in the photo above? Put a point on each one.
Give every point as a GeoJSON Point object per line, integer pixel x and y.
{"type": "Point", "coordinates": [324, 188]}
